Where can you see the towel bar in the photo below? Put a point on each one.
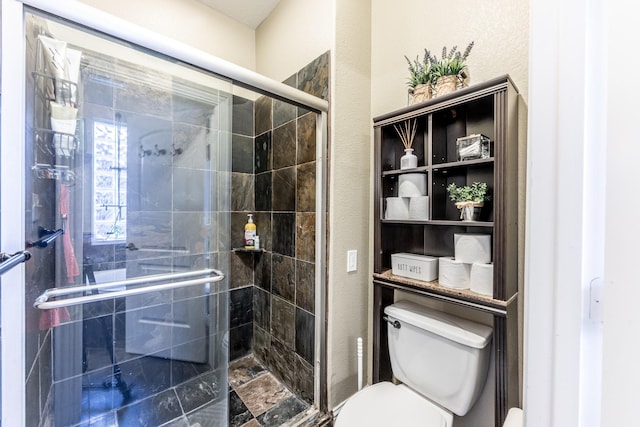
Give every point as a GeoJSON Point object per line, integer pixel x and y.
{"type": "Point", "coordinates": [42, 302]}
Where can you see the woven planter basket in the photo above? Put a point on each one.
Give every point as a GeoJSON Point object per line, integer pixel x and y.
{"type": "Point", "coordinates": [422, 93]}
{"type": "Point", "coordinates": [446, 84]}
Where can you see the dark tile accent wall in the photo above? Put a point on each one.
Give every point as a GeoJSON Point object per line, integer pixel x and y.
{"type": "Point", "coordinates": [283, 275]}
{"type": "Point", "coordinates": [284, 198]}
{"type": "Point", "coordinates": [241, 307]}
{"type": "Point", "coordinates": [284, 143]}
{"type": "Point", "coordinates": [242, 119]}
{"type": "Point", "coordinates": [241, 317]}
{"type": "Point", "coordinates": [283, 233]}
{"type": "Point", "coordinates": [243, 201]}
{"type": "Point", "coordinates": [262, 308]}
{"type": "Point", "coordinates": [305, 334]}
{"type": "Point", "coordinates": [263, 153]}
{"type": "Point", "coordinates": [263, 115]}
{"type": "Point", "coordinates": [242, 153]}
{"type": "Point", "coordinates": [314, 78]}
{"type": "Point", "coordinates": [305, 285]}
{"type": "Point", "coordinates": [283, 280]}
{"type": "Point", "coordinates": [240, 341]}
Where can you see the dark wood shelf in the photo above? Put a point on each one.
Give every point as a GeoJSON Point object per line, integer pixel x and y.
{"type": "Point", "coordinates": [442, 222]}
{"type": "Point", "coordinates": [395, 172]}
{"type": "Point", "coordinates": [489, 108]}
{"type": "Point", "coordinates": [466, 296]}
{"type": "Point", "coordinates": [438, 167]}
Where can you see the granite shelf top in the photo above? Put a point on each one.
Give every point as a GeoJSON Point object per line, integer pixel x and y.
{"type": "Point", "coordinates": [434, 286]}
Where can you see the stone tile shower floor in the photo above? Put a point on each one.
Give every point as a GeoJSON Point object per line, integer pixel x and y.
{"type": "Point", "coordinates": [258, 399]}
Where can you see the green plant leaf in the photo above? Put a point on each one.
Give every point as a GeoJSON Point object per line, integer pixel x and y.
{"type": "Point", "coordinates": [476, 192]}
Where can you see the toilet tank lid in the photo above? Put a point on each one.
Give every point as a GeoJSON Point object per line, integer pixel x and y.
{"type": "Point", "coordinates": [463, 331]}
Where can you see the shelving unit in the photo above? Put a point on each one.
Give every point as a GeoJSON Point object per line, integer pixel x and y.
{"type": "Point", "coordinates": [489, 108]}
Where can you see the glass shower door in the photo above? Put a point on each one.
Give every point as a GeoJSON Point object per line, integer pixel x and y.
{"type": "Point", "coordinates": [126, 211]}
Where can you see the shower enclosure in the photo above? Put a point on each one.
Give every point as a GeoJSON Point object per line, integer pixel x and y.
{"type": "Point", "coordinates": [116, 222]}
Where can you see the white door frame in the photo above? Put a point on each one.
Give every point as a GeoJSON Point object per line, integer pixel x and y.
{"type": "Point", "coordinates": [12, 212]}
{"type": "Point", "coordinates": [566, 179]}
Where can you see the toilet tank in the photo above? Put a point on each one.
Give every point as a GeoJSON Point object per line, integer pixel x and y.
{"type": "Point", "coordinates": [441, 356]}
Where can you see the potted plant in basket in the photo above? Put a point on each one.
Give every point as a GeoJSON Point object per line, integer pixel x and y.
{"type": "Point", "coordinates": [421, 78]}
{"type": "Point", "coordinates": [469, 199]}
{"type": "Point", "coordinates": [449, 70]}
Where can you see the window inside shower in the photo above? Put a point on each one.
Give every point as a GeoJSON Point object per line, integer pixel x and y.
{"type": "Point", "coordinates": [109, 182]}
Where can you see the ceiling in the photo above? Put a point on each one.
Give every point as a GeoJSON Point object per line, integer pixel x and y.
{"type": "Point", "coordinates": [248, 12]}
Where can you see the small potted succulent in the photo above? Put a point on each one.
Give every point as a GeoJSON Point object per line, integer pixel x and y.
{"type": "Point", "coordinates": [469, 199]}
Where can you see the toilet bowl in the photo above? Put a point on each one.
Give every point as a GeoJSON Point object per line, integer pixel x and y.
{"type": "Point", "coordinates": [388, 404]}
{"type": "Point", "coordinates": [442, 362]}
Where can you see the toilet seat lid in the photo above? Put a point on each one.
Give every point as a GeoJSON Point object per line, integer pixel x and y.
{"type": "Point", "coordinates": [386, 404]}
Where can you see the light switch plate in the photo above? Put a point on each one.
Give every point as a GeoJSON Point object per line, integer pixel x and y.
{"type": "Point", "coordinates": [352, 260]}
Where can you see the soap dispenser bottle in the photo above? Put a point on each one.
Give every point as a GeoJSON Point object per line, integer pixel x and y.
{"type": "Point", "coordinates": [249, 233]}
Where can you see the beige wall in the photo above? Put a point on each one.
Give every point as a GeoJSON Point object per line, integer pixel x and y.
{"type": "Point", "coordinates": [350, 197]}
{"type": "Point", "coordinates": [499, 28]}
{"type": "Point", "coordinates": [296, 33]}
{"type": "Point", "coordinates": [189, 22]}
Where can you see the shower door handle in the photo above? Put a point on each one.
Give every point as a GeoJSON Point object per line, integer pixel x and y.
{"type": "Point", "coordinates": [7, 262]}
{"type": "Point", "coordinates": [46, 237]}
{"type": "Point", "coordinates": [43, 303]}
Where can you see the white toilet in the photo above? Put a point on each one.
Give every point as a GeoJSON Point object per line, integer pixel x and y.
{"type": "Point", "coordinates": [442, 361]}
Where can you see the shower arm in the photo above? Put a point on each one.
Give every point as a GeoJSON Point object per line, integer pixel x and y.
{"type": "Point", "coordinates": [42, 302]}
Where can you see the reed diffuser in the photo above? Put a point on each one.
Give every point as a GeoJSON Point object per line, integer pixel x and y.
{"type": "Point", "coordinates": [407, 133]}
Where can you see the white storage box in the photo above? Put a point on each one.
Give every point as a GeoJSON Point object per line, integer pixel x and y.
{"type": "Point", "coordinates": [419, 267]}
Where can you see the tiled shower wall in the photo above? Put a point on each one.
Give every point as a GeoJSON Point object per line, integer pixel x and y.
{"type": "Point", "coordinates": [273, 296]}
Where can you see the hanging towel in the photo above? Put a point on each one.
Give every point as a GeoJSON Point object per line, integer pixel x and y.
{"type": "Point", "coordinates": [53, 317]}
{"type": "Point", "coordinates": [56, 316]}
{"type": "Point", "coordinates": [71, 263]}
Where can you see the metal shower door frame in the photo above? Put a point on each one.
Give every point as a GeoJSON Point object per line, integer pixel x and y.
{"type": "Point", "coordinates": [12, 173]}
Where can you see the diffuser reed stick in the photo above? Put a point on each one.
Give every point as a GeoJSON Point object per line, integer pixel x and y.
{"type": "Point", "coordinates": [407, 132]}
